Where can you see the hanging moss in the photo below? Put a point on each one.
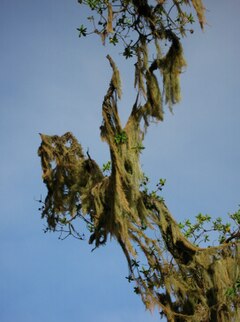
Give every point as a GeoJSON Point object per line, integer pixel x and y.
{"type": "Point", "coordinates": [171, 67]}
{"type": "Point", "coordinates": [68, 174]}
{"type": "Point", "coordinates": [140, 68]}
{"type": "Point", "coordinates": [110, 18]}
{"type": "Point", "coordinates": [200, 10]}
{"type": "Point", "coordinates": [185, 282]}
{"type": "Point", "coordinates": [154, 98]}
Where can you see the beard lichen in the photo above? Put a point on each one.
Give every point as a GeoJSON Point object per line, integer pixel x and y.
{"type": "Point", "coordinates": [186, 282]}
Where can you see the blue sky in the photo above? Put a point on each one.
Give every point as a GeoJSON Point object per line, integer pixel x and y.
{"type": "Point", "coordinates": [52, 82]}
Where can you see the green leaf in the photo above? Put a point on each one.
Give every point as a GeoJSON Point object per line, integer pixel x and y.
{"type": "Point", "coordinates": [230, 292]}
{"type": "Point", "coordinates": [113, 40]}
{"type": "Point", "coordinates": [93, 3]}
{"type": "Point", "coordinates": [181, 225]}
{"type": "Point", "coordinates": [128, 53]}
{"type": "Point", "coordinates": [82, 31]}
{"type": "Point", "coordinates": [191, 18]}
{"type": "Point", "coordinates": [106, 166]}
{"type": "Point", "coordinates": [120, 138]}
{"type": "Point", "coordinates": [136, 290]}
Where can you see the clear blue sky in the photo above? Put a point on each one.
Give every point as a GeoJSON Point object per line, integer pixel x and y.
{"type": "Point", "coordinates": [52, 82]}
